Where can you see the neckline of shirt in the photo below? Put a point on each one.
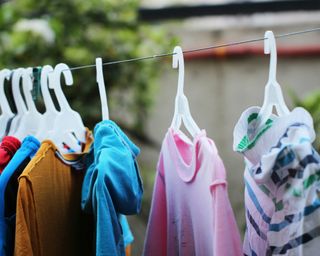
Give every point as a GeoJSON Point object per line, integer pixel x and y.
{"type": "Point", "coordinates": [186, 171]}
{"type": "Point", "coordinates": [100, 130]}
{"type": "Point", "coordinates": [70, 156]}
{"type": "Point", "coordinates": [273, 132]}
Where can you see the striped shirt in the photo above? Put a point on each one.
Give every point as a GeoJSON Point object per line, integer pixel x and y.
{"type": "Point", "coordinates": [282, 184]}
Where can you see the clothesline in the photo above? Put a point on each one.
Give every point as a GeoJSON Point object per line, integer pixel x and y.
{"type": "Point", "coordinates": [197, 49]}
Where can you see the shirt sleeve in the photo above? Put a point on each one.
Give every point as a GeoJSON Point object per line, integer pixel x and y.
{"type": "Point", "coordinates": [108, 231]}
{"type": "Point", "coordinates": [120, 173]}
{"type": "Point", "coordinates": [156, 235]}
{"type": "Point", "coordinates": [226, 234]}
{"type": "Point", "coordinates": [8, 148]}
{"type": "Point", "coordinates": [26, 237]}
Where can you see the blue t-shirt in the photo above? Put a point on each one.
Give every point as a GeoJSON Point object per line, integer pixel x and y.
{"type": "Point", "coordinates": [112, 186]}
{"type": "Point", "coordinates": [8, 192]}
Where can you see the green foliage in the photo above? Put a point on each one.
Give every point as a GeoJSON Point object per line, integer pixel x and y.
{"type": "Point", "coordinates": [35, 33]}
{"type": "Point", "coordinates": [312, 104]}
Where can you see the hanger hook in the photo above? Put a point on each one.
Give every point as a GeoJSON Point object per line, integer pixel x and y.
{"type": "Point", "coordinates": [17, 97]}
{"type": "Point", "coordinates": [27, 88]}
{"type": "Point", "coordinates": [45, 71]}
{"type": "Point", "coordinates": [5, 74]}
{"type": "Point", "coordinates": [55, 83]}
{"type": "Point", "coordinates": [271, 48]}
{"type": "Point", "coordinates": [178, 62]}
{"type": "Point", "coordinates": [5, 107]}
{"type": "Point", "coordinates": [102, 89]}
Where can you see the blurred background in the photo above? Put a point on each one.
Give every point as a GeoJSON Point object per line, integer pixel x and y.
{"type": "Point", "coordinates": [220, 84]}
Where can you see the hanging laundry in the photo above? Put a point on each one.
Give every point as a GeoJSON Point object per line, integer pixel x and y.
{"type": "Point", "coordinates": [8, 192]}
{"type": "Point", "coordinates": [8, 148]}
{"type": "Point", "coordinates": [127, 234]}
{"type": "Point", "coordinates": [112, 186]}
{"type": "Point", "coordinates": [49, 219]}
{"type": "Point", "coordinates": [281, 183]}
{"type": "Point", "coordinates": [191, 213]}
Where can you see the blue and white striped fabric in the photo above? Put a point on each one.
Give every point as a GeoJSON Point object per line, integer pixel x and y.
{"type": "Point", "coordinates": [282, 184]}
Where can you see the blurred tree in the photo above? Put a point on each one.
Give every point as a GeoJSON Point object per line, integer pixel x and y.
{"type": "Point", "coordinates": [312, 104]}
{"type": "Point", "coordinates": [35, 33]}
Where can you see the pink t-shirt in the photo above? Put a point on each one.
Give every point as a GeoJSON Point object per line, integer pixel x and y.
{"type": "Point", "coordinates": [191, 213]}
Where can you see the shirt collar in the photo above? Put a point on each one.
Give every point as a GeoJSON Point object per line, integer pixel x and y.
{"type": "Point", "coordinates": [254, 143]}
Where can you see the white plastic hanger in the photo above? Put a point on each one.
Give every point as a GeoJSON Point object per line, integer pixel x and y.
{"type": "Point", "coordinates": [102, 89]}
{"type": "Point", "coordinates": [18, 100]}
{"type": "Point", "coordinates": [31, 121]}
{"type": "Point", "coordinates": [51, 113]}
{"type": "Point", "coordinates": [272, 95]}
{"type": "Point", "coordinates": [68, 126]}
{"type": "Point", "coordinates": [181, 109]}
{"type": "Point", "coordinates": [6, 112]}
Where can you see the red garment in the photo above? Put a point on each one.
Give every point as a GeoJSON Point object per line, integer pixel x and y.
{"type": "Point", "coordinates": [8, 148]}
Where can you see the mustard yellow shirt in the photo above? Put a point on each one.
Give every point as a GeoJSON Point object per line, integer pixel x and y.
{"type": "Point", "coordinates": [49, 219]}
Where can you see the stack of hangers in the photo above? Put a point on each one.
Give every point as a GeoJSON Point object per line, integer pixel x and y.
{"type": "Point", "coordinates": [63, 190]}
